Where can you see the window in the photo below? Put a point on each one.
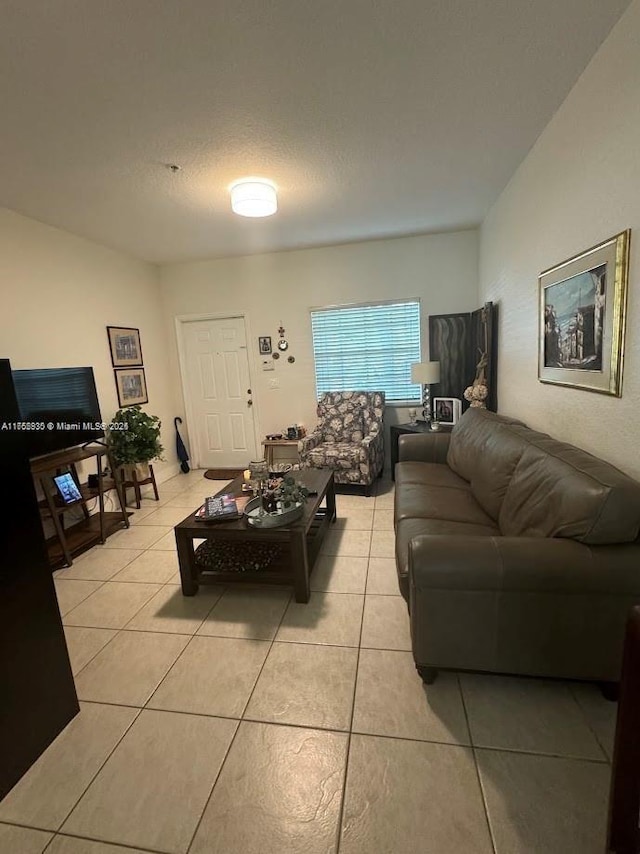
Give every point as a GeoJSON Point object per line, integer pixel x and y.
{"type": "Point", "coordinates": [368, 348]}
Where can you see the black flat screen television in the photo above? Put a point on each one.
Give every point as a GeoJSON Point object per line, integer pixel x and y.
{"type": "Point", "coordinates": [61, 406]}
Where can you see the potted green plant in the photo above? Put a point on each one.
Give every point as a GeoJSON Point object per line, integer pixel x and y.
{"type": "Point", "coordinates": [133, 440]}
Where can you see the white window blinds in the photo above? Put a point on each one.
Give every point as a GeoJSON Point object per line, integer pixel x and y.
{"type": "Point", "coordinates": [368, 348]}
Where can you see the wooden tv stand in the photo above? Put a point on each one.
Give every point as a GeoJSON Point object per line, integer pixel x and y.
{"type": "Point", "coordinates": [93, 528]}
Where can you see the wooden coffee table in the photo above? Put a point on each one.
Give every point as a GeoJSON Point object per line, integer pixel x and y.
{"type": "Point", "coordinates": [300, 541]}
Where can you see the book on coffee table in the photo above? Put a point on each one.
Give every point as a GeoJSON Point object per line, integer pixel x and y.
{"type": "Point", "coordinates": [221, 508]}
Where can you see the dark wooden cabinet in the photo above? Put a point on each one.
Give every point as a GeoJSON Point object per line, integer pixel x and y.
{"type": "Point", "coordinates": [397, 430]}
{"type": "Point", "coordinates": [36, 683]}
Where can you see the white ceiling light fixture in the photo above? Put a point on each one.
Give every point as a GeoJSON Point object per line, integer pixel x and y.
{"type": "Point", "coordinates": [255, 198]}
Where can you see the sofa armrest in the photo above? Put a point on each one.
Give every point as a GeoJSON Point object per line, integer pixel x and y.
{"type": "Point", "coordinates": [308, 443]}
{"type": "Point", "coordinates": [374, 435]}
{"type": "Point", "coordinates": [423, 447]}
{"type": "Point", "coordinates": [526, 605]}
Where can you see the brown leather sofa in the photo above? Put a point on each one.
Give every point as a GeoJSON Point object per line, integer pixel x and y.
{"type": "Point", "coordinates": [516, 553]}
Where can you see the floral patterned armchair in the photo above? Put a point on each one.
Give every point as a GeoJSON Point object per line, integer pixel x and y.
{"type": "Point", "coordinates": [349, 438]}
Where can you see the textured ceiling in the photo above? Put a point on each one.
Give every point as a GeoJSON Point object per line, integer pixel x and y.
{"type": "Point", "coordinates": [373, 117]}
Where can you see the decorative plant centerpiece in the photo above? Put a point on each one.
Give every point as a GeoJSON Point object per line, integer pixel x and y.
{"type": "Point", "coordinates": [282, 505]}
{"type": "Point", "coordinates": [134, 439]}
{"type": "Point", "coordinates": [289, 493]}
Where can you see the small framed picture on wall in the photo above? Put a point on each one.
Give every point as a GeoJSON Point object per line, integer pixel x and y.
{"type": "Point", "coordinates": [131, 385]}
{"type": "Point", "coordinates": [124, 343]}
{"type": "Point", "coordinates": [264, 345]}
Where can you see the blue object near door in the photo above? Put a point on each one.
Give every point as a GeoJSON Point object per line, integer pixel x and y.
{"type": "Point", "coordinates": [181, 451]}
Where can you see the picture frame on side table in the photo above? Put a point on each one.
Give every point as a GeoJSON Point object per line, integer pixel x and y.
{"type": "Point", "coordinates": [446, 410]}
{"type": "Point", "coordinates": [124, 343]}
{"type": "Point", "coordinates": [581, 317]}
{"type": "Point", "coordinates": [132, 386]}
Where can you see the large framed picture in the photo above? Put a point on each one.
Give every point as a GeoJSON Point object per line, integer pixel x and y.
{"type": "Point", "coordinates": [446, 410]}
{"type": "Point", "coordinates": [125, 346]}
{"type": "Point", "coordinates": [131, 385]}
{"type": "Point", "coordinates": [582, 305]}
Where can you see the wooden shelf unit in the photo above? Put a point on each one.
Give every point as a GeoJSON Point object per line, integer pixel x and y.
{"type": "Point", "coordinates": [94, 528]}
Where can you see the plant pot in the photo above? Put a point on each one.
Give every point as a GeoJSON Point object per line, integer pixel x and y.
{"type": "Point", "coordinates": [140, 470]}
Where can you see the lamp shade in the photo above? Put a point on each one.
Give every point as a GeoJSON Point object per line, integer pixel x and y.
{"type": "Point", "coordinates": [425, 373]}
{"type": "Point", "coordinates": [253, 198]}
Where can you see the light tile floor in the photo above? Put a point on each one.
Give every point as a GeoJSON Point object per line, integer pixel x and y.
{"type": "Point", "coordinates": [241, 722]}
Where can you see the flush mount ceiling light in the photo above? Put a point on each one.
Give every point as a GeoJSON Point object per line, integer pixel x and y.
{"type": "Point", "coordinates": [253, 198]}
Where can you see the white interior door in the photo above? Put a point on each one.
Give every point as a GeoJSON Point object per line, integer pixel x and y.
{"type": "Point", "coordinates": [216, 372]}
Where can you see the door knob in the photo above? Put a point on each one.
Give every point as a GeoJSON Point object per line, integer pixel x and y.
{"type": "Point", "coordinates": [249, 402]}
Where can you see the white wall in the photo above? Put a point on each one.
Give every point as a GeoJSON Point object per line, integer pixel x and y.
{"type": "Point", "coordinates": [59, 292]}
{"type": "Point", "coordinates": [281, 287]}
{"type": "Point", "coordinates": [579, 185]}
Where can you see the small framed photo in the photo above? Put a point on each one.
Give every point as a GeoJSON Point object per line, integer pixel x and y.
{"type": "Point", "coordinates": [125, 346]}
{"type": "Point", "coordinates": [264, 344]}
{"type": "Point", "coordinates": [131, 385]}
{"type": "Point", "coordinates": [446, 410]}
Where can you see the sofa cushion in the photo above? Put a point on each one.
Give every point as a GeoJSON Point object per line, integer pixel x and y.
{"type": "Point", "coordinates": [422, 501]}
{"type": "Point", "coordinates": [485, 451]}
{"type": "Point", "coordinates": [407, 529]}
{"type": "Point", "coordinates": [431, 474]}
{"type": "Point", "coordinates": [337, 455]}
{"type": "Point", "coordinates": [558, 490]}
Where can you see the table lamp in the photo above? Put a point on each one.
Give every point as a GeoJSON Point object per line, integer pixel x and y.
{"type": "Point", "coordinates": [425, 374]}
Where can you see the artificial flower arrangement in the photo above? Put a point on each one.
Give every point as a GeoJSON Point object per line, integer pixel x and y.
{"type": "Point", "coordinates": [287, 494]}
{"type": "Point", "coordinates": [476, 394]}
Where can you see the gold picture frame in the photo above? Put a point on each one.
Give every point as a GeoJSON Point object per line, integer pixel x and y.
{"type": "Point", "coordinates": [581, 312]}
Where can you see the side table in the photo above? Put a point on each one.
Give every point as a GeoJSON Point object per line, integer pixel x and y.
{"type": "Point", "coordinates": [270, 444]}
{"type": "Point", "coordinates": [397, 430]}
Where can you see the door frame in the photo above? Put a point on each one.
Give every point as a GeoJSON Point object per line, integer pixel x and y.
{"type": "Point", "coordinates": [180, 321]}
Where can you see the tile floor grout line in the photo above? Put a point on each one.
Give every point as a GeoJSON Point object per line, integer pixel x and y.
{"type": "Point", "coordinates": [545, 755]}
{"type": "Point", "coordinates": [117, 632]}
{"type": "Point", "coordinates": [80, 560]}
{"type": "Point", "coordinates": [353, 710]}
{"type": "Point", "coordinates": [113, 628]}
{"type": "Point", "coordinates": [144, 605]}
{"type": "Point", "coordinates": [182, 652]}
{"type": "Point", "coordinates": [243, 637]}
{"type": "Point", "coordinates": [271, 643]}
{"type": "Point", "coordinates": [82, 601]}
{"type": "Point", "coordinates": [120, 845]}
{"type": "Point", "coordinates": [240, 720]}
{"type": "Point", "coordinates": [364, 733]}
{"type": "Point", "coordinates": [213, 786]}
{"type": "Point", "coordinates": [485, 804]}
{"type": "Point", "coordinates": [588, 722]}
{"type": "Point", "coordinates": [109, 755]}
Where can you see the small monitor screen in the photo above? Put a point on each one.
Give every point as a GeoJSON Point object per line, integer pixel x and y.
{"type": "Point", "coordinates": [67, 488]}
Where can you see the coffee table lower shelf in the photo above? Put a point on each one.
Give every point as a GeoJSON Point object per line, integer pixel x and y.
{"type": "Point", "coordinates": [298, 546]}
